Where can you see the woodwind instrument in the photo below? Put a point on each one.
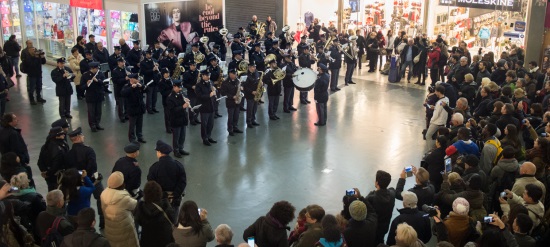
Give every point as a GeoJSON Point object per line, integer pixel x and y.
{"type": "Point", "coordinates": [260, 88]}
{"type": "Point", "coordinates": [239, 95]}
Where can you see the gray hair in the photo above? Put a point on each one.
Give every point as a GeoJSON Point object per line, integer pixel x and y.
{"type": "Point", "coordinates": [458, 117]}
{"type": "Point", "coordinates": [463, 101]}
{"type": "Point", "coordinates": [224, 235]}
{"type": "Point", "coordinates": [20, 180]}
{"type": "Point", "coordinates": [463, 58]}
{"type": "Point", "coordinates": [54, 197]}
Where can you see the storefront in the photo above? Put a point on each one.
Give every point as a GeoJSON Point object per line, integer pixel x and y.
{"type": "Point", "coordinates": [54, 25]}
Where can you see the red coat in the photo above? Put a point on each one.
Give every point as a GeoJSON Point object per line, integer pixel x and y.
{"type": "Point", "coordinates": [433, 57]}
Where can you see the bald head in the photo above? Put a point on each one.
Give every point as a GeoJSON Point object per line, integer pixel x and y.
{"type": "Point", "coordinates": [528, 168]}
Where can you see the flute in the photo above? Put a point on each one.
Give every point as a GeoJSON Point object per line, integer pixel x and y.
{"type": "Point", "coordinates": [93, 78]}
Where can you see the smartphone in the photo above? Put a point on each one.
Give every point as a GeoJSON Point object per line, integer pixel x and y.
{"type": "Point", "coordinates": [448, 165]}
{"type": "Point", "coordinates": [13, 189]}
{"type": "Point", "coordinates": [488, 219]}
{"type": "Point", "coordinates": [543, 134]}
{"type": "Point", "coordinates": [199, 211]}
{"type": "Point", "coordinates": [524, 121]}
{"type": "Point", "coordinates": [409, 171]}
{"type": "Point", "coordinates": [80, 172]}
{"type": "Point", "coordinates": [503, 194]}
{"type": "Point", "coordinates": [350, 192]}
{"type": "Point", "coordinates": [251, 241]}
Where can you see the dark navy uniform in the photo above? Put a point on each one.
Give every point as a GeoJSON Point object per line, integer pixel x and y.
{"type": "Point", "coordinates": [229, 88]}
{"type": "Point", "coordinates": [305, 62]}
{"type": "Point", "coordinates": [283, 43]}
{"type": "Point", "coordinates": [157, 53]}
{"type": "Point", "coordinates": [125, 48]}
{"type": "Point", "coordinates": [95, 95]}
{"type": "Point", "coordinates": [216, 77]}
{"type": "Point", "coordinates": [189, 81]}
{"type": "Point", "coordinates": [119, 80]}
{"type": "Point", "coordinates": [113, 61]}
{"type": "Point", "coordinates": [129, 167]}
{"type": "Point", "coordinates": [275, 51]}
{"type": "Point", "coordinates": [321, 96]}
{"type": "Point", "coordinates": [63, 89]}
{"type": "Point", "coordinates": [165, 87]}
{"type": "Point", "coordinates": [234, 64]}
{"type": "Point", "coordinates": [203, 90]}
{"type": "Point", "coordinates": [179, 120]}
{"type": "Point", "coordinates": [135, 108]}
{"type": "Point", "coordinates": [237, 46]}
{"type": "Point", "coordinates": [170, 175]}
{"type": "Point", "coordinates": [288, 85]}
{"type": "Point", "coordinates": [273, 92]}
{"type": "Point", "coordinates": [258, 58]}
{"type": "Point", "coordinates": [85, 65]}
{"type": "Point", "coordinates": [147, 71]}
{"type": "Point", "coordinates": [335, 65]}
{"type": "Point", "coordinates": [169, 63]}
{"type": "Point", "coordinates": [132, 58]}
{"type": "Point", "coordinates": [250, 86]}
{"type": "Point", "coordinates": [53, 160]}
{"type": "Point", "coordinates": [268, 43]}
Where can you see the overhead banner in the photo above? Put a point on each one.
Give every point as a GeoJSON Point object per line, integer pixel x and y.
{"type": "Point", "coordinates": [87, 4]}
{"type": "Point", "coordinates": [505, 5]}
{"type": "Point", "coordinates": [179, 24]}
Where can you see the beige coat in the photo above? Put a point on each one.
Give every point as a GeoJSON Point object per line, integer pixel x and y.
{"type": "Point", "coordinates": [74, 64]}
{"type": "Point", "coordinates": [117, 207]}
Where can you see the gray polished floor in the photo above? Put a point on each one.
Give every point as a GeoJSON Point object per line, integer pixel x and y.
{"type": "Point", "coordinates": [371, 125]}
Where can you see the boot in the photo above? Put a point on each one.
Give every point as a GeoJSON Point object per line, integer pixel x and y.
{"type": "Point", "coordinates": [424, 133]}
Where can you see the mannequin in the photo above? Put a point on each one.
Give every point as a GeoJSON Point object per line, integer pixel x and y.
{"type": "Point", "coordinates": [308, 18]}
{"type": "Point", "coordinates": [484, 35]}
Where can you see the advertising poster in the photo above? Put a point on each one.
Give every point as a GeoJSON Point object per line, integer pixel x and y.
{"type": "Point", "coordinates": [179, 24]}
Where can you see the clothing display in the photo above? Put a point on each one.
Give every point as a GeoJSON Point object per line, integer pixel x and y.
{"type": "Point", "coordinates": [308, 18]}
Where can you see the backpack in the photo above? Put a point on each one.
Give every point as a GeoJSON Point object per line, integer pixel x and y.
{"type": "Point", "coordinates": [43, 157]}
{"type": "Point", "coordinates": [53, 238]}
{"type": "Point", "coordinates": [442, 59]}
{"type": "Point", "coordinates": [497, 144]}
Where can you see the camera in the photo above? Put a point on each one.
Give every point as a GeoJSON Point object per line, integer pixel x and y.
{"type": "Point", "coordinates": [431, 89]}
{"type": "Point", "coordinates": [431, 211]}
{"type": "Point", "coordinates": [40, 52]}
{"type": "Point", "coordinates": [488, 219]}
{"type": "Point", "coordinates": [350, 192]}
{"type": "Point", "coordinates": [503, 194]}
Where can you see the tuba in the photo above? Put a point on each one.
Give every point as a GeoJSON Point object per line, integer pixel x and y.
{"type": "Point", "coordinates": [224, 32]}
{"type": "Point", "coordinates": [178, 70]}
{"type": "Point", "coordinates": [353, 43]}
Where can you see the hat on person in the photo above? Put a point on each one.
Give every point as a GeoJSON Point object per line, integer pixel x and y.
{"type": "Point", "coordinates": [257, 44]}
{"type": "Point", "coordinates": [501, 62]}
{"type": "Point", "coordinates": [136, 42]}
{"type": "Point", "coordinates": [87, 52]}
{"type": "Point", "coordinates": [93, 64]}
{"type": "Point", "coordinates": [251, 63]}
{"type": "Point", "coordinates": [475, 182]}
{"type": "Point", "coordinates": [61, 60]}
{"type": "Point", "coordinates": [117, 47]}
{"type": "Point", "coordinates": [170, 50]}
{"type": "Point", "coordinates": [450, 150]}
{"type": "Point", "coordinates": [196, 44]}
{"type": "Point", "coordinates": [149, 51]}
{"type": "Point", "coordinates": [133, 76]}
{"type": "Point", "coordinates": [216, 46]}
{"type": "Point", "coordinates": [287, 55]}
{"type": "Point", "coordinates": [120, 59]}
{"type": "Point", "coordinates": [237, 36]}
{"type": "Point", "coordinates": [131, 148]}
{"type": "Point", "coordinates": [205, 72]}
{"type": "Point", "coordinates": [234, 71]}
{"type": "Point", "coordinates": [61, 123]}
{"type": "Point", "coordinates": [304, 37]}
{"type": "Point", "coordinates": [177, 83]}
{"type": "Point", "coordinates": [323, 67]}
{"type": "Point", "coordinates": [237, 52]}
{"type": "Point", "coordinates": [461, 206]}
{"type": "Point", "coordinates": [276, 41]}
{"type": "Point", "coordinates": [358, 210]}
{"type": "Point", "coordinates": [471, 160]}
{"type": "Point", "coordinates": [55, 131]}
{"type": "Point", "coordinates": [410, 199]}
{"type": "Point", "coordinates": [77, 131]}
{"type": "Point", "coordinates": [212, 59]}
{"type": "Point", "coordinates": [163, 147]}
{"type": "Point", "coordinates": [191, 63]}
{"type": "Point", "coordinates": [165, 70]}
{"type": "Point", "coordinates": [115, 180]}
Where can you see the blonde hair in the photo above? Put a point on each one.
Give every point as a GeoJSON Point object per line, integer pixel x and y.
{"type": "Point", "coordinates": [485, 81]}
{"type": "Point", "coordinates": [224, 234]}
{"type": "Point", "coordinates": [20, 180]}
{"type": "Point", "coordinates": [405, 234]}
{"type": "Point", "coordinates": [519, 93]}
{"type": "Point", "coordinates": [493, 86]}
{"type": "Point", "coordinates": [453, 176]}
{"type": "Point", "coordinates": [469, 77]}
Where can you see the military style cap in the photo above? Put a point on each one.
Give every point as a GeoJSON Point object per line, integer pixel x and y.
{"type": "Point", "coordinates": [93, 64]}
{"type": "Point", "coordinates": [136, 41]}
{"type": "Point", "coordinates": [131, 148]}
{"type": "Point", "coordinates": [205, 72]}
{"type": "Point", "coordinates": [233, 71]}
{"type": "Point", "coordinates": [120, 59]}
{"type": "Point", "coordinates": [235, 52]}
{"type": "Point", "coordinates": [61, 123]}
{"type": "Point", "coordinates": [149, 51]}
{"type": "Point", "coordinates": [275, 41]}
{"type": "Point", "coordinates": [77, 131]}
{"type": "Point", "coordinates": [323, 67]}
{"type": "Point", "coordinates": [133, 76]}
{"type": "Point", "coordinates": [191, 63]}
{"type": "Point", "coordinates": [55, 131]}
{"type": "Point", "coordinates": [117, 47]}
{"type": "Point", "coordinates": [257, 44]}
{"type": "Point", "coordinates": [195, 44]}
{"type": "Point", "coordinates": [237, 36]}
{"type": "Point", "coordinates": [165, 70]}
{"type": "Point", "coordinates": [216, 46]}
{"type": "Point", "coordinates": [177, 83]}
{"type": "Point", "coordinates": [212, 59]}
{"type": "Point", "coordinates": [252, 63]}
{"type": "Point", "coordinates": [163, 147]}
{"type": "Point", "coordinates": [87, 52]}
{"type": "Point", "coordinates": [61, 60]}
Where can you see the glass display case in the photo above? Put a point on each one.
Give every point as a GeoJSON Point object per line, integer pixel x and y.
{"type": "Point", "coordinates": [10, 20]}
{"type": "Point", "coordinates": [28, 21]}
{"type": "Point", "coordinates": [92, 21]}
{"type": "Point", "coordinates": [54, 27]}
{"type": "Point", "coordinates": [123, 25]}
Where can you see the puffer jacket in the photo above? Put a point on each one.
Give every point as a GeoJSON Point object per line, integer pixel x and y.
{"type": "Point", "coordinates": [117, 208]}
{"type": "Point", "coordinates": [156, 230]}
{"type": "Point", "coordinates": [458, 228]}
{"type": "Point", "coordinates": [503, 165]}
{"type": "Point", "coordinates": [74, 64]}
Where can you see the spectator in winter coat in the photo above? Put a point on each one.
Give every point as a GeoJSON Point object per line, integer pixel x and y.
{"type": "Point", "coordinates": [527, 172]}
{"type": "Point", "coordinates": [28, 195]}
{"type": "Point", "coordinates": [489, 151]}
{"type": "Point", "coordinates": [270, 230]}
{"type": "Point", "coordinates": [300, 226]}
{"type": "Point", "coordinates": [10, 166]}
{"type": "Point", "coordinates": [460, 72]}
{"type": "Point", "coordinates": [468, 89]}
{"type": "Point", "coordinates": [434, 162]}
{"type": "Point", "coordinates": [193, 228]}
{"type": "Point", "coordinates": [457, 225]}
{"type": "Point", "coordinates": [412, 216]}
{"type": "Point", "coordinates": [314, 232]}
{"type": "Point", "coordinates": [530, 199]}
{"type": "Point", "coordinates": [78, 189]}
{"type": "Point", "coordinates": [482, 72]}
{"type": "Point", "coordinates": [482, 107]}
{"type": "Point", "coordinates": [433, 62]}
{"type": "Point", "coordinates": [508, 164]}
{"type": "Point", "coordinates": [521, 226]}
{"type": "Point", "coordinates": [382, 200]}
{"type": "Point", "coordinates": [406, 236]}
{"type": "Point", "coordinates": [155, 216]}
{"type": "Point", "coordinates": [331, 233]}
{"type": "Point", "coordinates": [55, 208]}
{"type": "Point", "coordinates": [224, 235]}
{"type": "Point", "coordinates": [471, 168]}
{"type": "Point", "coordinates": [361, 228]}
{"type": "Point", "coordinates": [85, 234]}
{"type": "Point", "coordinates": [473, 194]}
{"type": "Point", "coordinates": [499, 75]}
{"type": "Point", "coordinates": [423, 189]}
{"type": "Point", "coordinates": [464, 145]}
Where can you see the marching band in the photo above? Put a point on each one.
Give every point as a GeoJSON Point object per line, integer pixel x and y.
{"type": "Point", "coordinates": [192, 84]}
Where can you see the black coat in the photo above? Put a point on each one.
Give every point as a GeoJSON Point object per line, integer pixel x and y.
{"type": "Point", "coordinates": [170, 63]}
{"type": "Point", "coordinates": [95, 92]}
{"type": "Point", "coordinates": [12, 48]}
{"type": "Point", "coordinates": [203, 90]}
{"type": "Point", "coordinates": [290, 69]}
{"type": "Point", "coordinates": [156, 230]}
{"type": "Point", "coordinates": [118, 76]}
{"type": "Point", "coordinates": [267, 232]}
{"type": "Point", "coordinates": [62, 85]}
{"type": "Point", "coordinates": [229, 89]}
{"type": "Point", "coordinates": [134, 99]}
{"type": "Point", "coordinates": [258, 58]}
{"type": "Point", "coordinates": [132, 58]}
{"type": "Point", "coordinates": [85, 236]}
{"type": "Point", "coordinates": [101, 56]}
{"type": "Point", "coordinates": [273, 89]}
{"type": "Point", "coordinates": [11, 140]}
{"type": "Point", "coordinates": [414, 218]}
{"type": "Point", "coordinates": [85, 65]}
{"type": "Point", "coordinates": [82, 157]}
{"type": "Point", "coordinates": [337, 58]}
{"type": "Point", "coordinates": [146, 70]}
{"type": "Point", "coordinates": [169, 174]}
{"type": "Point", "coordinates": [129, 167]}
{"type": "Point", "coordinates": [177, 114]}
{"type": "Point", "coordinates": [165, 87]}
{"type": "Point", "coordinates": [234, 64]}
{"type": "Point", "coordinates": [113, 63]}
{"type": "Point", "coordinates": [321, 88]}
{"type": "Point", "coordinates": [81, 49]}
{"type": "Point", "coordinates": [383, 201]}
{"type": "Point", "coordinates": [499, 76]}
{"type": "Point", "coordinates": [124, 49]}
{"type": "Point", "coordinates": [434, 164]}
{"type": "Point", "coordinates": [251, 84]}
{"type": "Point", "coordinates": [424, 193]}
{"type": "Point", "coordinates": [33, 66]}
{"type": "Point", "coordinates": [190, 79]}
{"type": "Point", "coordinates": [238, 46]}
{"type": "Point", "coordinates": [157, 53]}
{"type": "Point", "coordinates": [362, 233]}
{"type": "Point", "coordinates": [505, 120]}
{"type": "Point", "coordinates": [305, 61]}
{"type": "Point", "coordinates": [91, 46]}
{"type": "Point", "coordinates": [405, 50]}
{"type": "Point", "coordinates": [54, 157]}
{"type": "Point", "coordinates": [459, 74]}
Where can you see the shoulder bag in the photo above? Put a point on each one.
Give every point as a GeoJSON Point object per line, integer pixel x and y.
{"type": "Point", "coordinates": [165, 215]}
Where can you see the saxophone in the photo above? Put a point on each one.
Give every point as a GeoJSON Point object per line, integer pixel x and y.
{"type": "Point", "coordinates": [260, 88]}
{"type": "Point", "coordinates": [178, 70]}
{"type": "Point", "coordinates": [239, 94]}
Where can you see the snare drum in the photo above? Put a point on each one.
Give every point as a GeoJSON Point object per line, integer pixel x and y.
{"type": "Point", "coordinates": [304, 79]}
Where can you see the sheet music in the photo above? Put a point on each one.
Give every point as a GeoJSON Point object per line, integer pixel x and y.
{"type": "Point", "coordinates": [220, 98]}
{"type": "Point", "coordinates": [196, 107]}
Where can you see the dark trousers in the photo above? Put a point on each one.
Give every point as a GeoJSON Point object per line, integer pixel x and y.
{"type": "Point", "coordinates": [359, 57]}
{"type": "Point", "coordinates": [251, 108]}
{"type": "Point", "coordinates": [97, 195]}
{"type": "Point", "coordinates": [273, 105]}
{"type": "Point", "coordinates": [288, 98]}
{"type": "Point", "coordinates": [233, 118]}
{"type": "Point", "coordinates": [176, 202]}
{"type": "Point", "coordinates": [79, 91]}
{"type": "Point", "coordinates": [52, 183]}
{"type": "Point", "coordinates": [64, 106]}
{"type": "Point", "coordinates": [322, 112]}
{"type": "Point", "coordinates": [216, 102]}
{"type": "Point", "coordinates": [151, 100]}
{"type": "Point", "coordinates": [3, 106]}
{"type": "Point", "coordinates": [193, 117]}
{"type": "Point", "coordinates": [178, 137]}
{"type": "Point", "coordinates": [434, 75]}
{"type": "Point", "coordinates": [303, 97]}
{"type": "Point", "coordinates": [422, 73]}
{"type": "Point", "coordinates": [94, 114]}
{"type": "Point", "coordinates": [207, 124]}
{"type": "Point", "coordinates": [334, 73]}
{"type": "Point", "coordinates": [373, 61]}
{"type": "Point", "coordinates": [136, 125]}
{"type": "Point", "coordinates": [34, 86]}
{"type": "Point", "coordinates": [349, 72]}
{"type": "Point", "coordinates": [120, 107]}
{"type": "Point", "coordinates": [442, 74]}
{"type": "Point", "coordinates": [166, 113]}
{"type": "Point", "coordinates": [404, 66]}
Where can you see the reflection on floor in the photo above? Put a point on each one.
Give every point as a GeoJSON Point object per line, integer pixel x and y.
{"type": "Point", "coordinates": [371, 125]}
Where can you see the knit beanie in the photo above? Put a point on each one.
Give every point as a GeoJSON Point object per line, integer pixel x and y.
{"type": "Point", "coordinates": [115, 180]}
{"type": "Point", "coordinates": [358, 210]}
{"type": "Point", "coordinates": [461, 206]}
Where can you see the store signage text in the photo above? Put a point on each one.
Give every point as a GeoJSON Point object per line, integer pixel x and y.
{"type": "Point", "coordinates": [87, 4]}
{"type": "Point", "coordinates": [206, 17]}
{"type": "Point", "coordinates": [520, 26]}
{"type": "Point", "coordinates": [508, 5]}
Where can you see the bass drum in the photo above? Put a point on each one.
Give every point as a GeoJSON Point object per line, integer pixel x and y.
{"type": "Point", "coordinates": [304, 79]}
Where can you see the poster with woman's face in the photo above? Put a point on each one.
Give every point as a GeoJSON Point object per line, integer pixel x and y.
{"type": "Point", "coordinates": [179, 24]}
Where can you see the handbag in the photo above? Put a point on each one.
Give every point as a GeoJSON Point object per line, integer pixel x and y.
{"type": "Point", "coordinates": [417, 58]}
{"type": "Point", "coordinates": [165, 216]}
{"type": "Point", "coordinates": [383, 52]}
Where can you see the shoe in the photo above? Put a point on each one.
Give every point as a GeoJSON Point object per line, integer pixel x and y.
{"type": "Point", "coordinates": [333, 90]}
{"type": "Point", "coordinates": [183, 152]}
{"type": "Point", "coordinates": [212, 140]}
{"type": "Point", "coordinates": [237, 130]}
{"type": "Point", "coordinates": [177, 154]}
{"type": "Point", "coordinates": [250, 126]}
{"type": "Point", "coordinates": [169, 131]}
{"type": "Point", "coordinates": [346, 84]}
{"type": "Point", "coordinates": [308, 101]}
{"type": "Point", "coordinates": [417, 83]}
{"type": "Point", "coordinates": [424, 133]}
{"type": "Point", "coordinates": [150, 112]}
{"type": "Point", "coordinates": [351, 82]}
{"type": "Point", "coordinates": [272, 118]}
{"type": "Point", "coordinates": [243, 109]}
{"type": "Point", "coordinates": [155, 111]}
{"type": "Point", "coordinates": [197, 121]}
{"type": "Point", "coordinates": [79, 98]}
{"type": "Point", "coordinates": [255, 124]}
{"type": "Point", "coordinates": [292, 108]}
{"type": "Point", "coordinates": [41, 100]}
{"type": "Point", "coordinates": [18, 76]}
{"type": "Point", "coordinates": [141, 140]}
{"type": "Point", "coordinates": [423, 83]}
{"type": "Point", "coordinates": [68, 116]}
{"type": "Point", "coordinates": [99, 127]}
{"type": "Point", "coordinates": [231, 134]}
{"type": "Point", "coordinates": [94, 130]}
{"type": "Point", "coordinates": [261, 101]}
{"type": "Point", "coordinates": [206, 143]}
{"type": "Point", "coordinates": [193, 123]}
{"type": "Point", "coordinates": [319, 124]}
{"type": "Point", "coordinates": [122, 120]}
{"type": "Point", "coordinates": [338, 89]}
{"type": "Point", "coordinates": [218, 115]}
{"type": "Point", "coordinates": [286, 111]}
{"type": "Point", "coordinates": [275, 116]}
